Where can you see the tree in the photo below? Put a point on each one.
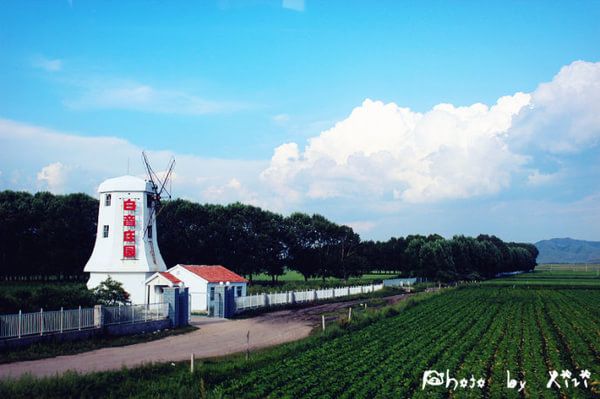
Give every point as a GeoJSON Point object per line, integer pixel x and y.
{"type": "Point", "coordinates": [111, 293]}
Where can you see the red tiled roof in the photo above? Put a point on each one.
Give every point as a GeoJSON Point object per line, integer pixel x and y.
{"type": "Point", "coordinates": [215, 274]}
{"type": "Point", "coordinates": [170, 277]}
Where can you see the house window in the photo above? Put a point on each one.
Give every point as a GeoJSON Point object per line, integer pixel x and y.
{"type": "Point", "coordinates": [149, 231]}
{"type": "Point", "coordinates": [212, 293]}
{"type": "Point", "coordinates": [238, 291]}
{"type": "Point", "coordinates": [105, 232]}
{"type": "Point", "coordinates": [107, 200]}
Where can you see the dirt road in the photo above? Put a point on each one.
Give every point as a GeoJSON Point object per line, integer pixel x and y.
{"type": "Point", "coordinates": [214, 337]}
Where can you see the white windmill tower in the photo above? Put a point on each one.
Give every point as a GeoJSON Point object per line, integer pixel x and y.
{"type": "Point", "coordinates": [126, 247]}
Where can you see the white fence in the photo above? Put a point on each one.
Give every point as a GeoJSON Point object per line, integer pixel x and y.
{"type": "Point", "coordinates": [282, 298]}
{"type": "Point", "coordinates": [134, 313]}
{"type": "Point", "coordinates": [59, 321]}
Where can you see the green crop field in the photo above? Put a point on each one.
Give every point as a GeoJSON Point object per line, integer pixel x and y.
{"type": "Point", "coordinates": [480, 331]}
{"type": "Point", "coordinates": [559, 278]}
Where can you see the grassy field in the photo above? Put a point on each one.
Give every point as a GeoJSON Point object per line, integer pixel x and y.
{"type": "Point", "coordinates": [479, 329]}
{"type": "Point", "coordinates": [547, 278]}
{"type": "Point", "coordinates": [293, 281]}
{"type": "Point", "coordinates": [570, 267]}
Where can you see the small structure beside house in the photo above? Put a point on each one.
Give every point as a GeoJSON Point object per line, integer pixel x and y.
{"type": "Point", "coordinates": [202, 281]}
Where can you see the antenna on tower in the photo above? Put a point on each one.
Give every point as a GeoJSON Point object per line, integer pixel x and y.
{"type": "Point", "coordinates": [159, 186]}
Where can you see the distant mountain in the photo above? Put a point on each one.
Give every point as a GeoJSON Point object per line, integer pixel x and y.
{"type": "Point", "coordinates": [568, 250]}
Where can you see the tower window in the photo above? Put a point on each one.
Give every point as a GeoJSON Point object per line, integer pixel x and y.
{"type": "Point", "coordinates": [107, 200]}
{"type": "Point", "coordinates": [149, 200]}
{"type": "Point", "coordinates": [105, 232]}
{"type": "Point", "coordinates": [150, 231]}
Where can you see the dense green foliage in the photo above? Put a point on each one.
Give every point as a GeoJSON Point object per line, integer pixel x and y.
{"type": "Point", "coordinates": [45, 236]}
{"type": "Point", "coordinates": [477, 330]}
{"type": "Point", "coordinates": [31, 297]}
{"type": "Point", "coordinates": [111, 293]}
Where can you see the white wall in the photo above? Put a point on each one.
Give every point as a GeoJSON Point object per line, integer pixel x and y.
{"type": "Point", "coordinates": [199, 288]}
{"type": "Point", "coordinates": [133, 283]}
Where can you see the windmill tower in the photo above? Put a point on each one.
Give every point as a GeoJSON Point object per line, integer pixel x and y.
{"type": "Point", "coordinates": [126, 247]}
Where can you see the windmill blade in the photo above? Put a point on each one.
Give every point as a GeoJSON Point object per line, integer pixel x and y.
{"type": "Point", "coordinates": [158, 187]}
{"type": "Point", "coordinates": [152, 176]}
{"type": "Point", "coordinates": [167, 178]}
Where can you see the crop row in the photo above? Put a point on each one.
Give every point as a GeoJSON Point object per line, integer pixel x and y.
{"type": "Point", "coordinates": [482, 332]}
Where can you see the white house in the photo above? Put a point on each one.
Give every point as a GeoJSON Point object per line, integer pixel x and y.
{"type": "Point", "coordinates": [126, 247]}
{"type": "Point", "coordinates": [201, 281]}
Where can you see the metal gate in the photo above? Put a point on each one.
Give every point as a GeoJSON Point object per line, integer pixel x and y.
{"type": "Point", "coordinates": [222, 304]}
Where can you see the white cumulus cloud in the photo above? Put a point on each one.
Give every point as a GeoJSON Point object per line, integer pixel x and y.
{"type": "Point", "coordinates": [54, 177]}
{"type": "Point", "coordinates": [383, 149]}
{"type": "Point", "coordinates": [564, 115]}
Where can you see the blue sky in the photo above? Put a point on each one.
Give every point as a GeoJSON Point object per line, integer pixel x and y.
{"type": "Point", "coordinates": [330, 107]}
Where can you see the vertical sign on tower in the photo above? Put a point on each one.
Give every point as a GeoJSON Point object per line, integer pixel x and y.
{"type": "Point", "coordinates": [129, 207]}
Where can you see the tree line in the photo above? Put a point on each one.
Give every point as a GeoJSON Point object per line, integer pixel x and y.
{"type": "Point", "coordinates": [45, 236]}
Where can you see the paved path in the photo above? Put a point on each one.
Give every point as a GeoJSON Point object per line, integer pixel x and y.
{"type": "Point", "coordinates": [214, 337]}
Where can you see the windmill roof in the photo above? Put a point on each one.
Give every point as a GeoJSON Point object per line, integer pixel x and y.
{"type": "Point", "coordinates": [215, 273]}
{"type": "Point", "coordinates": [124, 183]}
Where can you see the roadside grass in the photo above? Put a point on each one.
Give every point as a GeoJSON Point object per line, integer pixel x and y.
{"type": "Point", "coordinates": [44, 350]}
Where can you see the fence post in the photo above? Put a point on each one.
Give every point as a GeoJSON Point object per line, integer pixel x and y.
{"type": "Point", "coordinates": [19, 328]}
{"type": "Point", "coordinates": [98, 316]}
{"type": "Point", "coordinates": [350, 313]}
{"type": "Point", "coordinates": [323, 321]}
{"type": "Point", "coordinates": [333, 292]}
{"type": "Point", "coordinates": [132, 314]}
{"type": "Point", "coordinates": [79, 318]}
{"type": "Point", "coordinates": [266, 300]}
{"type": "Point", "coordinates": [41, 321]}
{"type": "Point", "coordinates": [62, 314]}
{"type": "Point", "coordinates": [348, 291]}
